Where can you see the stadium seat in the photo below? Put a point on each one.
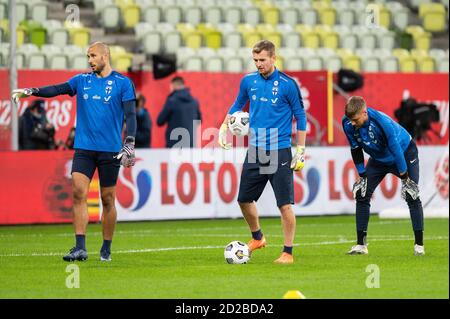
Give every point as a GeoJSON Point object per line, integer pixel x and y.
{"type": "Point", "coordinates": [193, 14]}
{"type": "Point", "coordinates": [193, 39]}
{"type": "Point", "coordinates": [39, 11]}
{"type": "Point", "coordinates": [58, 61]}
{"type": "Point", "coordinates": [275, 38]}
{"type": "Point", "coordinates": [37, 61]}
{"type": "Point", "coordinates": [172, 41]}
{"type": "Point", "coordinates": [122, 62]}
{"type": "Point", "coordinates": [21, 11]}
{"type": "Point", "coordinates": [110, 17]}
{"type": "Point", "coordinates": [279, 63]}
{"type": "Point", "coordinates": [251, 38]}
{"type": "Point", "coordinates": [233, 40]}
{"type": "Point", "coordinates": [152, 14]}
{"type": "Point", "coordinates": [386, 40]}
{"type": "Point", "coordinates": [79, 62]}
{"type": "Point", "coordinates": [152, 42]}
{"type": "Point", "coordinates": [20, 60]}
{"type": "Point", "coordinates": [131, 15]}
{"type": "Point", "coordinates": [346, 17]}
{"type": "Point", "coordinates": [213, 39]}
{"type": "Point", "coordinates": [308, 17]}
{"type": "Point", "coordinates": [435, 21]}
{"type": "Point", "coordinates": [213, 15]}
{"type": "Point", "coordinates": [233, 15]}
{"type": "Point", "coordinates": [328, 16]}
{"type": "Point", "coordinates": [389, 64]}
{"type": "Point", "coordinates": [252, 16]}
{"type": "Point", "coordinates": [294, 64]}
{"type": "Point", "coordinates": [226, 53]}
{"type": "Point", "coordinates": [290, 16]}
{"type": "Point", "coordinates": [71, 50]}
{"type": "Point", "coordinates": [370, 64]}
{"type": "Point", "coordinates": [182, 54]}
{"type": "Point", "coordinates": [292, 40]}
{"type": "Point", "coordinates": [443, 65]}
{"type": "Point", "coordinates": [426, 65]}
{"type": "Point", "coordinates": [173, 14]}
{"type": "Point", "coordinates": [313, 63]}
{"type": "Point", "coordinates": [3, 11]}
{"type": "Point", "coordinates": [407, 64]}
{"type": "Point", "coordinates": [80, 36]}
{"type": "Point", "coordinates": [271, 15]}
{"type": "Point", "coordinates": [352, 62]}
{"type": "Point", "coordinates": [2, 36]}
{"type": "Point", "coordinates": [141, 28]}
{"type": "Point", "coordinates": [214, 64]}
{"type": "Point", "coordinates": [193, 63]}
{"type": "Point", "coordinates": [311, 40]}
{"type": "Point", "coordinates": [333, 63]}
{"type": "Point", "coordinates": [437, 54]}
{"type": "Point", "coordinates": [287, 53]}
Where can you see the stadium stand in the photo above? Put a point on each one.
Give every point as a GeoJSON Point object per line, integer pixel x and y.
{"type": "Point", "coordinates": [351, 31]}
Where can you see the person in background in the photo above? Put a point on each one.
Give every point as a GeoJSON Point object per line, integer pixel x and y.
{"type": "Point", "coordinates": [180, 112]}
{"type": "Point", "coordinates": [35, 132]}
{"type": "Point", "coordinates": [144, 123]}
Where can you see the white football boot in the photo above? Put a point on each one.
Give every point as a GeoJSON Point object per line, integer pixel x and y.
{"type": "Point", "coordinates": [358, 250]}
{"type": "Point", "coordinates": [419, 250]}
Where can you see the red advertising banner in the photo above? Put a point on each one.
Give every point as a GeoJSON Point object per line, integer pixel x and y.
{"type": "Point", "coordinates": [216, 92]}
{"type": "Point", "coordinates": [36, 188]}
{"type": "Point", "coordinates": [385, 91]}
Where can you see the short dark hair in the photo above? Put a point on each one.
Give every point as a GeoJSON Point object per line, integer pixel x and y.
{"type": "Point", "coordinates": [264, 45]}
{"type": "Point", "coordinates": [354, 105]}
{"type": "Point", "coordinates": [178, 80]}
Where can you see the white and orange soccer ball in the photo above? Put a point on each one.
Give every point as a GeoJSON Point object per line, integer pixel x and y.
{"type": "Point", "coordinates": [237, 252]}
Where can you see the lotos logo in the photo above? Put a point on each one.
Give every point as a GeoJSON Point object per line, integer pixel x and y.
{"type": "Point", "coordinates": [441, 176]}
{"type": "Point", "coordinates": [306, 189]}
{"type": "Point", "coordinates": [133, 189]}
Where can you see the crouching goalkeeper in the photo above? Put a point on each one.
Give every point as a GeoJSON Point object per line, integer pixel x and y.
{"type": "Point", "coordinates": [391, 150]}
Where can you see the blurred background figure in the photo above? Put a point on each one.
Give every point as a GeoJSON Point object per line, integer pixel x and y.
{"type": "Point", "coordinates": [144, 123]}
{"type": "Point", "coordinates": [180, 111]}
{"type": "Point", "coordinates": [35, 132]}
{"type": "Point", "coordinates": [68, 145]}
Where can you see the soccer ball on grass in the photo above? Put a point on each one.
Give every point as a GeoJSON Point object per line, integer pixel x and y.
{"type": "Point", "coordinates": [237, 252]}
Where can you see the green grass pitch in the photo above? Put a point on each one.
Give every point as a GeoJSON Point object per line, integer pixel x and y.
{"type": "Point", "coordinates": [184, 259]}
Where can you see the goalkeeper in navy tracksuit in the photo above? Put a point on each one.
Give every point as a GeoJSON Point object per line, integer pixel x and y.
{"type": "Point", "coordinates": [391, 150]}
{"type": "Point", "coordinates": [275, 99]}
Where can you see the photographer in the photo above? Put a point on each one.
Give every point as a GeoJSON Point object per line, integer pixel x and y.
{"type": "Point", "coordinates": [35, 132]}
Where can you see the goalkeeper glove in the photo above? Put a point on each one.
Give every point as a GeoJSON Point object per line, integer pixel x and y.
{"type": "Point", "coordinates": [409, 187]}
{"type": "Point", "coordinates": [223, 137]}
{"type": "Point", "coordinates": [126, 154]}
{"type": "Point", "coordinates": [298, 162]}
{"type": "Point", "coordinates": [361, 185]}
{"type": "Point", "coordinates": [19, 93]}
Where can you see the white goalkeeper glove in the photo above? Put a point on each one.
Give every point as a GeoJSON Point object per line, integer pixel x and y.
{"type": "Point", "coordinates": [223, 137]}
{"type": "Point", "coordinates": [360, 185]}
{"type": "Point", "coordinates": [20, 93]}
{"type": "Point", "coordinates": [409, 187]}
{"type": "Point", "coordinates": [126, 155]}
{"type": "Point", "coordinates": [298, 161]}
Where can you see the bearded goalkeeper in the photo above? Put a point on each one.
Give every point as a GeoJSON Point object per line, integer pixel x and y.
{"type": "Point", "coordinates": [104, 98]}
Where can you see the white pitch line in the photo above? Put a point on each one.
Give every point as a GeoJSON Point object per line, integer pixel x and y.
{"type": "Point", "coordinates": [187, 230]}
{"type": "Point", "coordinates": [148, 250]}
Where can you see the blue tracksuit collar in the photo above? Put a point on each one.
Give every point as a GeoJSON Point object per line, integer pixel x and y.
{"type": "Point", "coordinates": [273, 76]}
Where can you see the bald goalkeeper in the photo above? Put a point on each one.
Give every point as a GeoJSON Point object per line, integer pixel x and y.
{"type": "Point", "coordinates": [105, 99]}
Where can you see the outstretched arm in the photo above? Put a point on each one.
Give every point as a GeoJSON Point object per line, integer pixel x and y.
{"type": "Point", "coordinates": [45, 91]}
